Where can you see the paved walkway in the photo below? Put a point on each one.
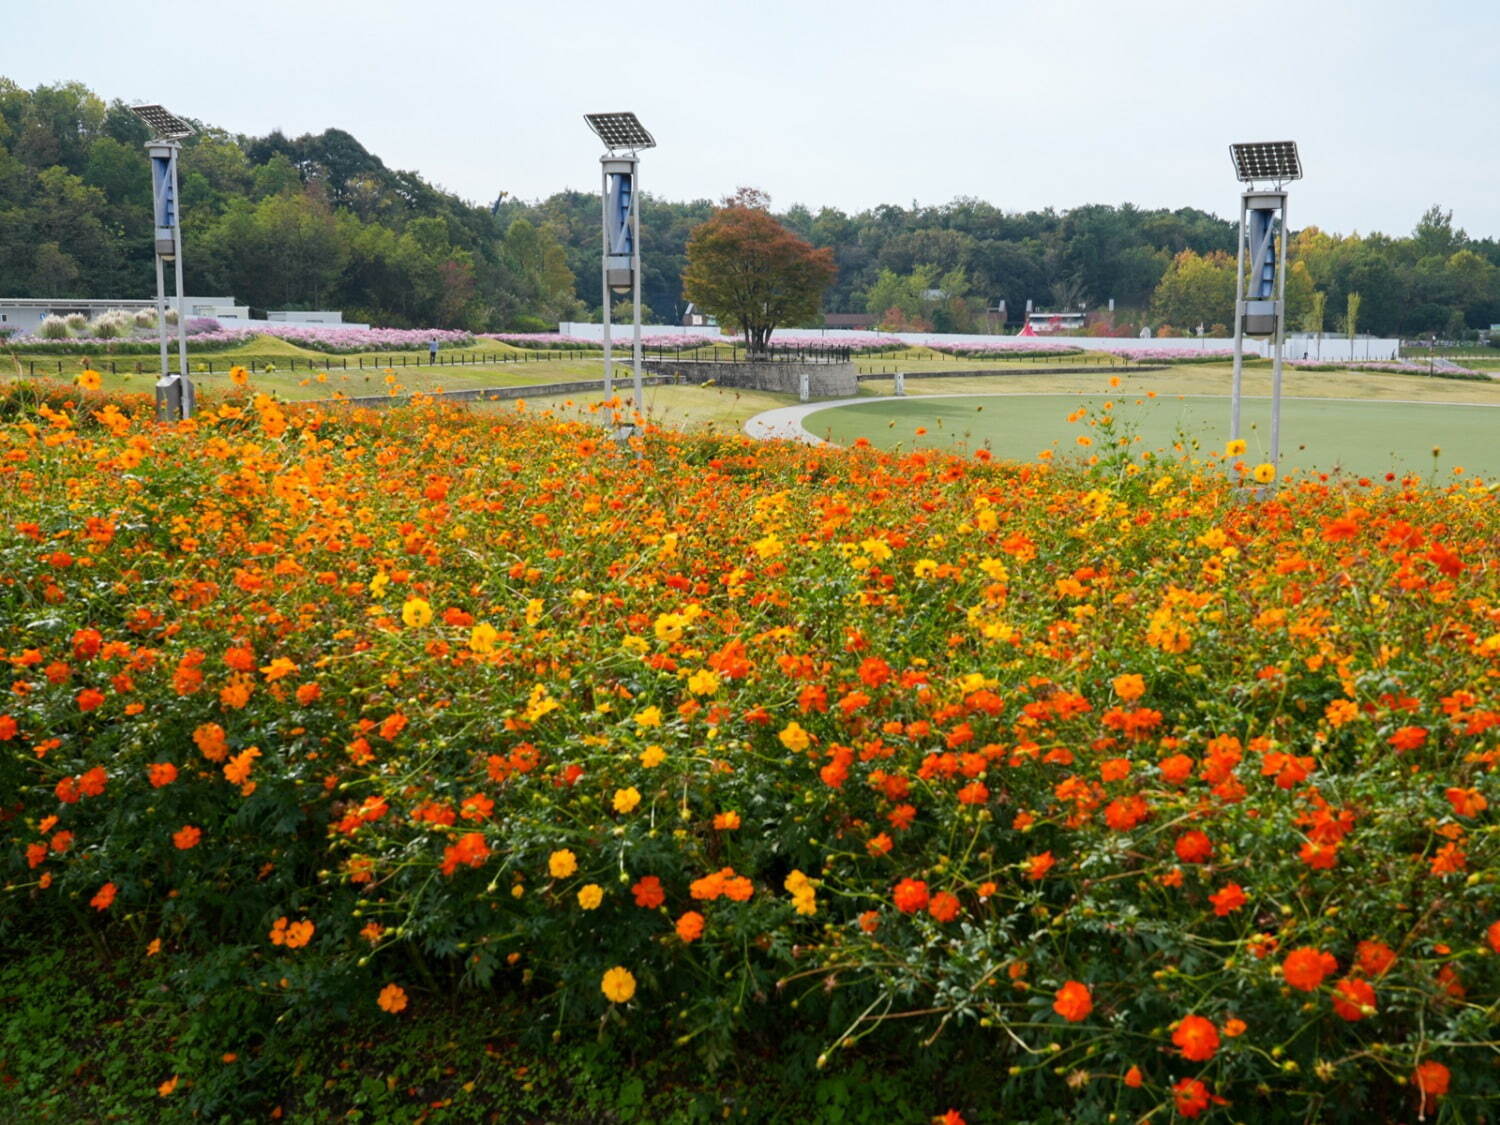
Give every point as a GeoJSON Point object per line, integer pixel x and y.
{"type": "Point", "coordinates": [785, 422]}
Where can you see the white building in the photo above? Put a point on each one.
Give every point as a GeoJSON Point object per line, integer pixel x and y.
{"type": "Point", "coordinates": [25, 314]}
{"type": "Point", "coordinates": [307, 316]}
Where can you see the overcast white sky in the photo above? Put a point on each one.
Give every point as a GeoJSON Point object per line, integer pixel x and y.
{"type": "Point", "coordinates": [1395, 104]}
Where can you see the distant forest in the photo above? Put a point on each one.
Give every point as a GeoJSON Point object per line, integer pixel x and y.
{"type": "Point", "coordinates": [320, 222]}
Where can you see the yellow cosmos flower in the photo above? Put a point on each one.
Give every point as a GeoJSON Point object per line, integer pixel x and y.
{"type": "Point", "coordinates": [703, 682]}
{"type": "Point", "coordinates": [1264, 473]}
{"type": "Point", "coordinates": [669, 626]}
{"type": "Point", "coordinates": [482, 638]}
{"type": "Point", "coordinates": [89, 379]}
{"type": "Point", "coordinates": [618, 985]}
{"type": "Point", "coordinates": [590, 896]}
{"type": "Point", "coordinates": [562, 863]}
{"type": "Point", "coordinates": [650, 717]}
{"type": "Point", "coordinates": [653, 756]}
{"type": "Point", "coordinates": [416, 613]}
{"type": "Point", "coordinates": [627, 799]}
{"type": "Point", "coordinates": [1235, 448]}
{"type": "Point", "coordinates": [793, 737]}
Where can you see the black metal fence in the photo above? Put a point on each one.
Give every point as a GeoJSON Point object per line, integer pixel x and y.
{"type": "Point", "coordinates": [210, 365]}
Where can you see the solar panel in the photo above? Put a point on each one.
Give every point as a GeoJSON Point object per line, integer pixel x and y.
{"type": "Point", "coordinates": [167, 126]}
{"type": "Point", "coordinates": [620, 130]}
{"type": "Point", "coordinates": [1266, 160]}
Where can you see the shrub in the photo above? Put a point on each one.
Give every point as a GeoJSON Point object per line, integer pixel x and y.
{"type": "Point", "coordinates": [111, 324]}
{"type": "Point", "coordinates": [54, 328]}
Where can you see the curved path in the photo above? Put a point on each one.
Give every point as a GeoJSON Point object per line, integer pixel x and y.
{"type": "Point", "coordinates": [785, 422]}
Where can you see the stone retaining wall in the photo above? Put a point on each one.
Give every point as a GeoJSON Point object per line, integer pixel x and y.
{"type": "Point", "coordinates": [825, 380]}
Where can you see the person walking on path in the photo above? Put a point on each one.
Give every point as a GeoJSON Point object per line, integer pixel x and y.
{"type": "Point", "coordinates": [432, 351]}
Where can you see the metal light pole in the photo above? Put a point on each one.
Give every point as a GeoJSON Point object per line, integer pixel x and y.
{"type": "Point", "coordinates": [624, 136]}
{"type": "Point", "coordinates": [174, 392]}
{"type": "Point", "coordinates": [1260, 294]}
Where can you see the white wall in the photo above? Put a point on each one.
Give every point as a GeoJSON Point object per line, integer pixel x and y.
{"type": "Point", "coordinates": [1330, 347]}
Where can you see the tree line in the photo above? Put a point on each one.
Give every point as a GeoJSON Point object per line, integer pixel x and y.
{"type": "Point", "coordinates": [319, 221]}
{"type": "Point", "coordinates": [276, 222]}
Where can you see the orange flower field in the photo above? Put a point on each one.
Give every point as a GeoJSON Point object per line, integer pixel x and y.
{"type": "Point", "coordinates": [1171, 799]}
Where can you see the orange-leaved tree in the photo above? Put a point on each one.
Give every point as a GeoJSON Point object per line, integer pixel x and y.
{"type": "Point", "coordinates": [750, 272]}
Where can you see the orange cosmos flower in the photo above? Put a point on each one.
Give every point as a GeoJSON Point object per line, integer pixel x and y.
{"type": "Point", "coordinates": [1449, 860]}
{"type": "Point", "coordinates": [89, 699]}
{"type": "Point", "coordinates": [1353, 999]}
{"type": "Point", "coordinates": [944, 906]}
{"type": "Point", "coordinates": [161, 773]}
{"type": "Point", "coordinates": [1408, 738]}
{"type": "Point", "coordinates": [1176, 769]}
{"type": "Point", "coordinates": [910, 896]}
{"type": "Point", "coordinates": [1129, 686]}
{"type": "Point", "coordinates": [1191, 1097]}
{"type": "Point", "coordinates": [974, 793]}
{"type": "Point", "coordinates": [1037, 866]}
{"type": "Point", "coordinates": [1466, 802]}
{"type": "Point", "coordinates": [1134, 1078]}
{"type": "Point", "coordinates": [1197, 1038]}
{"type": "Point", "coordinates": [1305, 967]}
{"type": "Point", "coordinates": [727, 821]}
{"type": "Point", "coordinates": [1320, 857]}
{"type": "Point", "coordinates": [103, 897]}
{"type": "Point", "coordinates": [211, 742]}
{"type": "Point", "coordinates": [648, 892]}
{"type": "Point", "coordinates": [1492, 935]}
{"type": "Point", "coordinates": [1432, 1079]}
{"type": "Point", "coordinates": [1194, 846]}
{"type": "Point", "coordinates": [470, 850]}
{"type": "Point", "coordinates": [392, 998]}
{"type": "Point", "coordinates": [1074, 1002]}
{"type": "Point", "coordinates": [187, 837]}
{"type": "Point", "coordinates": [690, 926]}
{"type": "Point", "coordinates": [1227, 899]}
{"type": "Point", "coordinates": [869, 921]}
{"type": "Point", "coordinates": [1374, 958]}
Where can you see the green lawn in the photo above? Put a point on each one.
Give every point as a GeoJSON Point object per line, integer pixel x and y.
{"type": "Point", "coordinates": [1367, 437]}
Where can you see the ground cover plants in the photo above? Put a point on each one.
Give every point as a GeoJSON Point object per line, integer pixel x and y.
{"type": "Point", "coordinates": [1134, 787]}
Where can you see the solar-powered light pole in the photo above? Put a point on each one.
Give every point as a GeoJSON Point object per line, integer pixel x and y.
{"type": "Point", "coordinates": [174, 393]}
{"type": "Point", "coordinates": [623, 135]}
{"type": "Point", "coordinates": [1260, 292]}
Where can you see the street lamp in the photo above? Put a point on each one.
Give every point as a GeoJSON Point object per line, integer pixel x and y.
{"type": "Point", "coordinates": [623, 135]}
{"type": "Point", "coordinates": [174, 393]}
{"type": "Point", "coordinates": [1260, 310]}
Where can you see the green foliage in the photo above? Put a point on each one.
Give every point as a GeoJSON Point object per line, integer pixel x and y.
{"type": "Point", "coordinates": [1196, 289]}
